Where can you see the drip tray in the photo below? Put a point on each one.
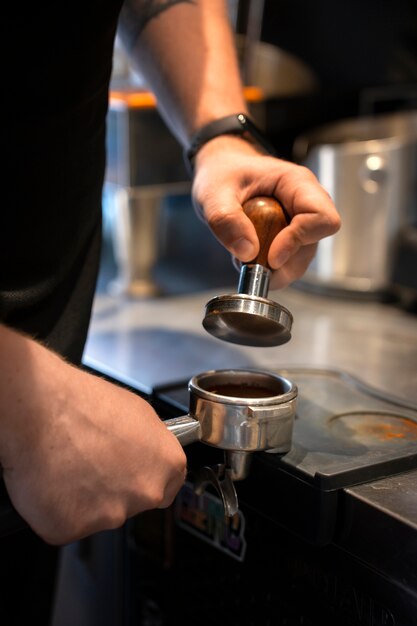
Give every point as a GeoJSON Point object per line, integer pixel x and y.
{"type": "Point", "coordinates": [346, 433]}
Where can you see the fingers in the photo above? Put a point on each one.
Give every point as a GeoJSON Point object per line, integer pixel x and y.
{"type": "Point", "coordinates": [313, 217]}
{"type": "Point", "coordinates": [226, 219]}
{"type": "Point", "coordinates": [223, 185]}
{"type": "Point", "coordinates": [101, 459]}
{"type": "Point", "coordinates": [293, 248]}
{"type": "Point", "coordinates": [294, 268]}
{"type": "Point", "coordinates": [304, 230]}
{"type": "Point", "coordinates": [312, 212]}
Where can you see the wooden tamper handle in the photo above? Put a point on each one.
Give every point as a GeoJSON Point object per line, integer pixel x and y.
{"type": "Point", "coordinates": [249, 317]}
{"type": "Point", "coordinates": [268, 217]}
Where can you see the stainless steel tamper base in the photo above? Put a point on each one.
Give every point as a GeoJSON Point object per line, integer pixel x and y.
{"type": "Point", "coordinates": [248, 320]}
{"type": "Point", "coordinates": [249, 317]}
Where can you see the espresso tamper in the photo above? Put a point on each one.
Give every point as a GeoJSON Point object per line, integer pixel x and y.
{"type": "Point", "coordinates": [249, 317]}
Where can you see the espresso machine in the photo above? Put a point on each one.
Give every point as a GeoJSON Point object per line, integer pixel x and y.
{"type": "Point", "coordinates": [285, 516]}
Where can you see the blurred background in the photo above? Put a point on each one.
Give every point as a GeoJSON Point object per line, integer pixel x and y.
{"type": "Point", "coordinates": [334, 86]}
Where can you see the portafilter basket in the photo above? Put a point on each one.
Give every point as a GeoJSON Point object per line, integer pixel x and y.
{"type": "Point", "coordinates": [249, 317]}
{"type": "Point", "coordinates": [240, 412]}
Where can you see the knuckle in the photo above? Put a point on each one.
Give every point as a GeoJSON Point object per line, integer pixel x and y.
{"type": "Point", "coordinates": [53, 538]}
{"type": "Point", "coordinates": [331, 222]}
{"type": "Point", "coordinates": [335, 222]}
{"type": "Point", "coordinates": [220, 219]}
{"type": "Point", "coordinates": [114, 518]}
{"type": "Point", "coordinates": [306, 173]}
{"type": "Point", "coordinates": [156, 499]}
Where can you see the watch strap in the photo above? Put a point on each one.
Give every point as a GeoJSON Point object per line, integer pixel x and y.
{"type": "Point", "coordinates": [238, 124]}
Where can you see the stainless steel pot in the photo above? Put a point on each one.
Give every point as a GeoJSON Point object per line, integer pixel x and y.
{"type": "Point", "coordinates": [368, 166]}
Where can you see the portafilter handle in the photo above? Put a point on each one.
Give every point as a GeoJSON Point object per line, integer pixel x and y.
{"type": "Point", "coordinates": [188, 430]}
{"type": "Point", "coordinates": [268, 217]}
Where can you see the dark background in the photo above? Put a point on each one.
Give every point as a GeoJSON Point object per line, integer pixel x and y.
{"type": "Point", "coordinates": [363, 52]}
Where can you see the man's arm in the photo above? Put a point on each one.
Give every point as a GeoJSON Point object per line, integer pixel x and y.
{"type": "Point", "coordinates": [78, 454]}
{"type": "Point", "coordinates": [185, 51]}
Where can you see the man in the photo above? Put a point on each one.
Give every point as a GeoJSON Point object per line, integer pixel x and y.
{"type": "Point", "coordinates": [80, 455]}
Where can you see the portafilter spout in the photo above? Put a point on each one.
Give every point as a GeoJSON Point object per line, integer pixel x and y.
{"type": "Point", "coordinates": [249, 317]}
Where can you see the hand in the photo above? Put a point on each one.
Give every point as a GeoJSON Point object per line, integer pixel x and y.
{"type": "Point", "coordinates": [81, 455]}
{"type": "Point", "coordinates": [229, 171]}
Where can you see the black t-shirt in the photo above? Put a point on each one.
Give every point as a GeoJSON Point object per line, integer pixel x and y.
{"type": "Point", "coordinates": [57, 62]}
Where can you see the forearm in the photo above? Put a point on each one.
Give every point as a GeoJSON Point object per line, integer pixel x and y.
{"type": "Point", "coordinates": [29, 383]}
{"type": "Point", "coordinates": [186, 53]}
{"type": "Point", "coordinates": [185, 50]}
{"type": "Point", "coordinates": [78, 454]}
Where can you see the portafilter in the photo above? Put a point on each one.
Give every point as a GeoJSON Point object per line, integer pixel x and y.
{"type": "Point", "coordinates": [240, 412]}
{"type": "Point", "coordinates": [248, 317]}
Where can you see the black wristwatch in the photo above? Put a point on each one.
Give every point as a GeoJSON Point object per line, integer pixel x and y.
{"type": "Point", "coordinates": [238, 124]}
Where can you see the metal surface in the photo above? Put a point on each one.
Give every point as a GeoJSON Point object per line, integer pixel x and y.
{"type": "Point", "coordinates": [239, 411]}
{"type": "Point", "coordinates": [260, 419]}
{"type": "Point", "coordinates": [186, 429]}
{"type": "Point", "coordinates": [249, 317]}
{"type": "Point", "coordinates": [144, 167]}
{"type": "Point", "coordinates": [134, 214]}
{"type": "Point", "coordinates": [247, 422]}
{"type": "Point", "coordinates": [152, 343]}
{"type": "Point", "coordinates": [346, 433]}
{"type": "Point", "coordinates": [248, 320]}
{"type": "Point", "coordinates": [368, 166]}
{"type": "Point", "coordinates": [220, 477]}
{"type": "Point", "coordinates": [276, 71]}
{"type": "Point", "coordinates": [254, 280]}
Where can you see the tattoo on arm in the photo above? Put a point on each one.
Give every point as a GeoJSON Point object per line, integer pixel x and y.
{"type": "Point", "coordinates": [136, 15]}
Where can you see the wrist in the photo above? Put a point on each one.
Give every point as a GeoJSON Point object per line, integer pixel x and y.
{"type": "Point", "coordinates": [238, 125]}
{"type": "Point", "coordinates": [223, 150]}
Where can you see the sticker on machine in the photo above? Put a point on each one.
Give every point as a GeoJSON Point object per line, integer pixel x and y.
{"type": "Point", "coordinates": [203, 516]}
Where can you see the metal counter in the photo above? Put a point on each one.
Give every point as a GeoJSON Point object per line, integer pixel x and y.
{"type": "Point", "coordinates": [155, 342]}
{"type": "Point", "coordinates": [152, 344]}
